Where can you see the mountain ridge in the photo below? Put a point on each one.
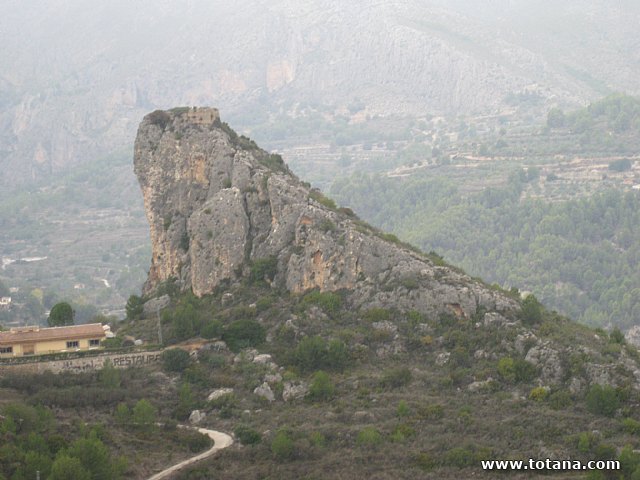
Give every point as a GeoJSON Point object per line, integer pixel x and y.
{"type": "Point", "coordinates": [396, 56]}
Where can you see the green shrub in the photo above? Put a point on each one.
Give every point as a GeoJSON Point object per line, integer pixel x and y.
{"type": "Point", "coordinates": [263, 268]}
{"type": "Point", "coordinates": [243, 333]}
{"type": "Point", "coordinates": [377, 315]}
{"type": "Point", "coordinates": [431, 411]}
{"type": "Point", "coordinates": [616, 336]}
{"type": "Point", "coordinates": [403, 409]}
{"type": "Point", "coordinates": [539, 394]}
{"type": "Point", "coordinates": [318, 439]}
{"type": "Point", "coordinates": [329, 302]}
{"type": "Point", "coordinates": [322, 388]}
{"type": "Point", "coordinates": [109, 376]}
{"type": "Point", "coordinates": [402, 432]}
{"type": "Point", "coordinates": [602, 400]}
{"type": "Point", "coordinates": [247, 435]}
{"type": "Point", "coordinates": [66, 467]}
{"type": "Point", "coordinates": [327, 225]}
{"type": "Point", "coordinates": [560, 399]}
{"type": "Point", "coordinates": [211, 329]}
{"type": "Point", "coordinates": [226, 405]}
{"type": "Point", "coordinates": [631, 426]}
{"type": "Point", "coordinates": [587, 441]}
{"type": "Point", "coordinates": [282, 446]}
{"type": "Point", "coordinates": [245, 143]}
{"type": "Point", "coordinates": [337, 355]}
{"type": "Point", "coordinates": [274, 162]}
{"type": "Point", "coordinates": [122, 414]}
{"type": "Point", "coordinates": [195, 441]}
{"type": "Point", "coordinates": [144, 414]}
{"type": "Point", "coordinates": [629, 461]}
{"type": "Point", "coordinates": [313, 353]}
{"type": "Point", "coordinates": [369, 437]}
{"type": "Point", "coordinates": [264, 303]}
{"type": "Point", "coordinates": [211, 359]}
{"type": "Point", "coordinates": [516, 371]}
{"type": "Point", "coordinates": [319, 197]}
{"type": "Point", "coordinates": [425, 461]}
{"type": "Point", "coordinates": [186, 402]}
{"type": "Point", "coordinates": [159, 118]}
{"type": "Point", "coordinates": [396, 377]}
{"type": "Point", "coordinates": [310, 354]}
{"type": "Point", "coordinates": [390, 237]}
{"type": "Point", "coordinates": [175, 360]}
{"type": "Point", "coordinates": [134, 307]}
{"type": "Point", "coordinates": [604, 451]}
{"type": "Point", "coordinates": [459, 457]}
{"type": "Point", "coordinates": [115, 342]}
{"type": "Point", "coordinates": [531, 310]}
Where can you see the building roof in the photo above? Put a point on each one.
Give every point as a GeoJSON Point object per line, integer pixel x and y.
{"type": "Point", "coordinates": [38, 334]}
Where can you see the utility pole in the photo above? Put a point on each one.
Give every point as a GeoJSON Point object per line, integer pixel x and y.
{"type": "Point", "coordinates": [159, 325]}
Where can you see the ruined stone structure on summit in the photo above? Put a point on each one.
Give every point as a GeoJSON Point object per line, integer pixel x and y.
{"type": "Point", "coordinates": [203, 115]}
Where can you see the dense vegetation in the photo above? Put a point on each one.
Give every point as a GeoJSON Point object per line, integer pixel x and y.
{"type": "Point", "coordinates": [88, 426]}
{"type": "Point", "coordinates": [618, 113]}
{"type": "Point", "coordinates": [579, 256]}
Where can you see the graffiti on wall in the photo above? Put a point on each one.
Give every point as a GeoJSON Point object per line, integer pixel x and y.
{"type": "Point", "coordinates": [87, 364]}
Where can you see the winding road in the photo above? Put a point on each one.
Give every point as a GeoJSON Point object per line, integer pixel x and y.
{"type": "Point", "coordinates": [220, 440]}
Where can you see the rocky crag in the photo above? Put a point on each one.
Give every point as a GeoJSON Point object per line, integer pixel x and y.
{"type": "Point", "coordinates": [221, 209]}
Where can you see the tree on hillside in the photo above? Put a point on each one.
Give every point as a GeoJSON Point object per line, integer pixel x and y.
{"type": "Point", "coordinates": [134, 307]}
{"type": "Point", "coordinates": [68, 468]}
{"type": "Point", "coordinates": [61, 314]}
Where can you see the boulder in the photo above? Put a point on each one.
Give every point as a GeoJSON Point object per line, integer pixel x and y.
{"type": "Point", "coordinates": [480, 385]}
{"type": "Point", "coordinates": [548, 360]}
{"type": "Point", "coordinates": [262, 359]}
{"type": "Point", "coordinates": [443, 358]}
{"type": "Point", "coordinates": [197, 417]}
{"type": "Point", "coordinates": [220, 392]}
{"type": "Point", "coordinates": [294, 391]}
{"type": "Point", "coordinates": [273, 378]}
{"type": "Point", "coordinates": [264, 391]}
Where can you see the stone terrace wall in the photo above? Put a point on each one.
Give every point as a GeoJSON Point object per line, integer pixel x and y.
{"type": "Point", "coordinates": [84, 364]}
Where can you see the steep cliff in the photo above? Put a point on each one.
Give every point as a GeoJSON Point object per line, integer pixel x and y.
{"type": "Point", "coordinates": [221, 209]}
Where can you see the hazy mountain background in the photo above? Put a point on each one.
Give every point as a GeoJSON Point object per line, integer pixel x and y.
{"type": "Point", "coordinates": [338, 87]}
{"type": "Point", "coordinates": [77, 76]}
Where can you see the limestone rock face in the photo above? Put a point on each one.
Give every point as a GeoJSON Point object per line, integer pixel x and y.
{"type": "Point", "coordinates": [217, 204]}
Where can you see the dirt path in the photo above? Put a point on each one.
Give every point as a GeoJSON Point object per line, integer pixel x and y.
{"type": "Point", "coordinates": [220, 440]}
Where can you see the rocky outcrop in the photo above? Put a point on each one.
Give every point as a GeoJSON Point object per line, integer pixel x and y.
{"type": "Point", "coordinates": [221, 209]}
